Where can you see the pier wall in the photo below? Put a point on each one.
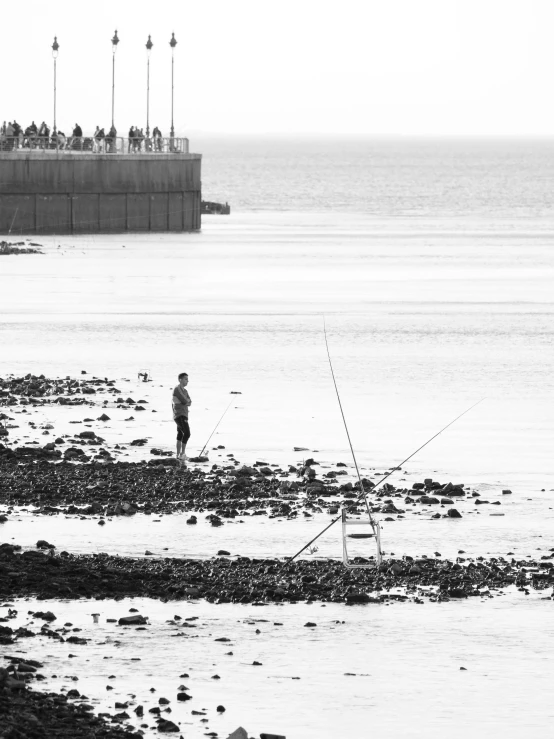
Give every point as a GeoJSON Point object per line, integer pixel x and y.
{"type": "Point", "coordinates": [65, 192]}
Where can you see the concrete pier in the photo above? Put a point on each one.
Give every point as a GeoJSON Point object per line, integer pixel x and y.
{"type": "Point", "coordinates": [46, 192]}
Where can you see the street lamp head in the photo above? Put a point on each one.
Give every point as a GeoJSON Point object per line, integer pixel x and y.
{"type": "Point", "coordinates": [115, 42]}
{"type": "Point", "coordinates": [55, 47]}
{"type": "Point", "coordinates": [173, 42]}
{"type": "Point", "coordinates": [149, 45]}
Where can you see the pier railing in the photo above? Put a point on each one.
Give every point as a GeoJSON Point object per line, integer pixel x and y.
{"type": "Point", "coordinates": [95, 145]}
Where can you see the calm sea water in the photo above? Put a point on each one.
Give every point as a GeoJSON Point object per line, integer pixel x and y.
{"type": "Point", "coordinates": [419, 178]}
{"type": "Point", "coordinates": [433, 263]}
{"type": "Point", "coordinates": [362, 670]}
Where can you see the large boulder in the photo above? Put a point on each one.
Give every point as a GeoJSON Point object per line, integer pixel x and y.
{"type": "Point", "coordinates": [133, 620]}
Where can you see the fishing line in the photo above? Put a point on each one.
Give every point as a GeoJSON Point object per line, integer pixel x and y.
{"type": "Point", "coordinates": [215, 429]}
{"type": "Point", "coordinates": [372, 521]}
{"type": "Point", "coordinates": [394, 469]}
{"type": "Point", "coordinates": [362, 492]}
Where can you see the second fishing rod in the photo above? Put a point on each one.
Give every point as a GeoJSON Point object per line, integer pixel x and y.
{"type": "Point", "coordinates": [215, 428]}
{"type": "Point", "coordinates": [363, 493]}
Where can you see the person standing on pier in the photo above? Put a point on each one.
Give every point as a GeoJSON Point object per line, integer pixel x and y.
{"type": "Point", "coordinates": [181, 403]}
{"type": "Point", "coordinates": [10, 137]}
{"type": "Point", "coordinates": [76, 137]}
{"type": "Point", "coordinates": [111, 143]}
{"type": "Point", "coordinates": [96, 141]}
{"type": "Point", "coordinates": [157, 136]}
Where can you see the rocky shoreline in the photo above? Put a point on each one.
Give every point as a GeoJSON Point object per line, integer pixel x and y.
{"type": "Point", "coordinates": [29, 713]}
{"type": "Point", "coordinates": [18, 247]}
{"type": "Point", "coordinates": [33, 573]}
{"type": "Point", "coordinates": [79, 475]}
{"type": "Point", "coordinates": [42, 478]}
{"type": "Point", "coordinates": [32, 714]}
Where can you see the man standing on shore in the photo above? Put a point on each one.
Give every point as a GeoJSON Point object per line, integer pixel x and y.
{"type": "Point", "coordinates": [181, 403]}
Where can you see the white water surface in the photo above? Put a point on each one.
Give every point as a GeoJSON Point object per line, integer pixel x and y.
{"type": "Point", "coordinates": [421, 324]}
{"type": "Point", "coordinates": [406, 660]}
{"type": "Point", "coordinates": [433, 263]}
{"type": "Point", "coordinates": [521, 528]}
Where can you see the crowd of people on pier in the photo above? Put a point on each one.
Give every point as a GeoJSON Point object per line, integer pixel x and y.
{"type": "Point", "coordinates": [14, 136]}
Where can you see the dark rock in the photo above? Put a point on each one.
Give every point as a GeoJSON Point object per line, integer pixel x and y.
{"type": "Point", "coordinates": [43, 544]}
{"type": "Point", "coordinates": [45, 615]}
{"type": "Point", "coordinates": [132, 620]}
{"type": "Point", "coordinates": [429, 500]}
{"type": "Point", "coordinates": [76, 640]}
{"type": "Point", "coordinates": [358, 598]}
{"type": "Point", "coordinates": [457, 593]}
{"type": "Point", "coordinates": [167, 727]}
{"type": "Point", "coordinates": [453, 513]}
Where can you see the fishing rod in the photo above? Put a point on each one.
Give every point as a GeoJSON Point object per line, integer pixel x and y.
{"type": "Point", "coordinates": [372, 521]}
{"type": "Point", "coordinates": [13, 221]}
{"type": "Point", "coordinates": [215, 429]}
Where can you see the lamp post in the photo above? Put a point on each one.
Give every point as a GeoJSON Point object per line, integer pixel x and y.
{"type": "Point", "coordinates": [173, 44]}
{"type": "Point", "coordinates": [149, 46]}
{"type": "Point", "coordinates": [115, 42]}
{"type": "Point", "coordinates": [55, 47]}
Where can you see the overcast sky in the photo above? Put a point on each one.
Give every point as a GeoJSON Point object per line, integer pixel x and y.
{"type": "Point", "coordinates": [369, 67]}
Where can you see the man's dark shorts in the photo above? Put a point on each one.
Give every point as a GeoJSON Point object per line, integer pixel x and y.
{"type": "Point", "coordinates": [183, 429]}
